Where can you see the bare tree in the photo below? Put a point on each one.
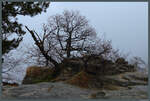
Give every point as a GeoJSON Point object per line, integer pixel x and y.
{"type": "Point", "coordinates": [11, 65]}
{"type": "Point", "coordinates": [63, 35]}
{"type": "Point", "coordinates": [137, 62]}
{"type": "Point", "coordinates": [35, 57]}
{"type": "Point", "coordinates": [71, 30]}
{"type": "Point", "coordinates": [99, 49]}
{"type": "Point", "coordinates": [69, 35]}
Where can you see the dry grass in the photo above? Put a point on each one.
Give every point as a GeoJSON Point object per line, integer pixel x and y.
{"type": "Point", "coordinates": [57, 79]}
{"type": "Point", "coordinates": [92, 96]}
{"type": "Point", "coordinates": [50, 88]}
{"type": "Point", "coordinates": [36, 74]}
{"type": "Point", "coordinates": [10, 84]}
{"type": "Point", "coordinates": [36, 70]}
{"type": "Point", "coordinates": [82, 79]}
{"type": "Point", "coordinates": [111, 87]}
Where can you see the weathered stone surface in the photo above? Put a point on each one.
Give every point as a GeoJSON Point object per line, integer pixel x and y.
{"type": "Point", "coordinates": [127, 79]}
{"type": "Point", "coordinates": [59, 90]}
{"type": "Point", "coordinates": [121, 86]}
{"type": "Point", "coordinates": [116, 83]}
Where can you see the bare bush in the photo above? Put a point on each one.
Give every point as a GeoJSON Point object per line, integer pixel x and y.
{"type": "Point", "coordinates": [137, 62]}
{"type": "Point", "coordinates": [63, 36]}
{"type": "Point", "coordinates": [10, 66]}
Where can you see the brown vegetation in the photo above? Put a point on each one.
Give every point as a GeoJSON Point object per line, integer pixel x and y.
{"type": "Point", "coordinates": [35, 74]}
{"type": "Point", "coordinates": [10, 84]}
{"type": "Point", "coordinates": [34, 71]}
{"type": "Point", "coordinates": [82, 79]}
{"type": "Point", "coordinates": [85, 80]}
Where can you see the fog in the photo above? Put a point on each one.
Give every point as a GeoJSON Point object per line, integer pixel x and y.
{"type": "Point", "coordinates": [125, 23]}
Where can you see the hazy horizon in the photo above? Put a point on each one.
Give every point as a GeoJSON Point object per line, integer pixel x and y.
{"type": "Point", "coordinates": [125, 23]}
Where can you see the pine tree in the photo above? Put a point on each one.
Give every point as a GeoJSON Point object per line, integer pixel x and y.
{"type": "Point", "coordinates": [10, 25]}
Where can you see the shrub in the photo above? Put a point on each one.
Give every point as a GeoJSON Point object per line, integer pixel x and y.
{"type": "Point", "coordinates": [121, 61]}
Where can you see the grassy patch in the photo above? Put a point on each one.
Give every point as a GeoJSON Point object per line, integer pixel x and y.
{"type": "Point", "coordinates": [82, 79]}
{"type": "Point", "coordinates": [35, 74]}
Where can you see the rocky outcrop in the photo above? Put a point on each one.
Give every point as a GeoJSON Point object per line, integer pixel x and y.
{"type": "Point", "coordinates": [128, 85]}
{"type": "Point", "coordinates": [60, 90]}
{"type": "Point", "coordinates": [72, 67]}
{"type": "Point", "coordinates": [127, 79]}
{"type": "Point", "coordinates": [115, 82]}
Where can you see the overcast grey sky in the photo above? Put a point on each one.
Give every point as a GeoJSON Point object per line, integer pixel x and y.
{"type": "Point", "coordinates": [125, 23]}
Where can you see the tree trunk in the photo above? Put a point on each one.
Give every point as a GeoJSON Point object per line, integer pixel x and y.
{"type": "Point", "coordinates": [57, 68]}
{"type": "Point", "coordinates": [69, 45]}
